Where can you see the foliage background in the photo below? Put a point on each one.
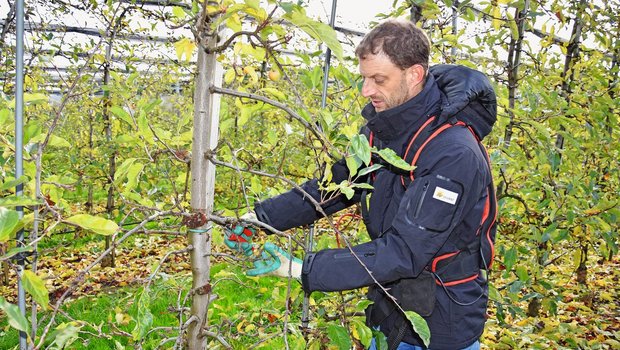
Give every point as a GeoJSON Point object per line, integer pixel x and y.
{"type": "Point", "coordinates": [108, 133]}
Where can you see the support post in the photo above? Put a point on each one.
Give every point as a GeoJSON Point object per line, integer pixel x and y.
{"type": "Point", "coordinates": [19, 156]}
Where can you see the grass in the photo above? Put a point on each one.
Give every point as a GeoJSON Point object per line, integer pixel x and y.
{"type": "Point", "coordinates": [246, 311]}
{"type": "Point", "coordinates": [104, 314]}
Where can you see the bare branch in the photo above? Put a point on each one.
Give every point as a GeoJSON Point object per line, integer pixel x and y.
{"type": "Point", "coordinates": [313, 128]}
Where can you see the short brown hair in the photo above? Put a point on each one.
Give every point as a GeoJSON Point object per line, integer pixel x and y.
{"type": "Point", "coordinates": [402, 41]}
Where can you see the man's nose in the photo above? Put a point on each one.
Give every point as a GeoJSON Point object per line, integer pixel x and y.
{"type": "Point", "coordinates": [368, 88]}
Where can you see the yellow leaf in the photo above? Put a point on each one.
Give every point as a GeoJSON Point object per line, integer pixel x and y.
{"type": "Point", "coordinates": [523, 322]}
{"type": "Point", "coordinates": [607, 296]}
{"type": "Point", "coordinates": [184, 47]}
{"type": "Point", "coordinates": [592, 211]}
{"type": "Point", "coordinates": [613, 343]}
{"type": "Point", "coordinates": [496, 17]}
{"type": "Point", "coordinates": [240, 326]}
{"type": "Point", "coordinates": [234, 23]}
{"type": "Point", "coordinates": [178, 12]}
{"type": "Point", "coordinates": [229, 77]}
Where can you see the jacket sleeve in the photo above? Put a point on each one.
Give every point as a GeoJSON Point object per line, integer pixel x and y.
{"type": "Point", "coordinates": [294, 208]}
{"type": "Point", "coordinates": [433, 205]}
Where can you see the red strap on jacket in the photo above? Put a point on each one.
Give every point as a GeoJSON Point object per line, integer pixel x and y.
{"type": "Point", "coordinates": [487, 207]}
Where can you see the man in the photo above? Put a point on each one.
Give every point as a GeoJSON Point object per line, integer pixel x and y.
{"type": "Point", "coordinates": [431, 231]}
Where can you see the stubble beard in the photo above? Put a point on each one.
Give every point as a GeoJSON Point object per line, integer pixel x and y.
{"type": "Point", "coordinates": [399, 97]}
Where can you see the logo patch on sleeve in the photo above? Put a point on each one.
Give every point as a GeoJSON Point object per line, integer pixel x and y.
{"type": "Point", "coordinates": [446, 196]}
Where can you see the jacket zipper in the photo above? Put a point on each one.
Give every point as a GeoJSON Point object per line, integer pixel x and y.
{"type": "Point", "coordinates": [349, 255]}
{"type": "Point", "coordinates": [419, 205]}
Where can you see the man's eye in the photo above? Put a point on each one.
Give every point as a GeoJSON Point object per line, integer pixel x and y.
{"type": "Point", "coordinates": [379, 81]}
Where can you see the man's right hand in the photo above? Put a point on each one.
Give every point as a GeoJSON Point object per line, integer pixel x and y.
{"type": "Point", "coordinates": [239, 236]}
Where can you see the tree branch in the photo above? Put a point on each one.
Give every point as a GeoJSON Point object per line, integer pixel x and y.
{"type": "Point", "coordinates": [317, 133]}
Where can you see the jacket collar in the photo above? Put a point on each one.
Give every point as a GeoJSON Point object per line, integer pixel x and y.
{"type": "Point", "coordinates": [398, 121]}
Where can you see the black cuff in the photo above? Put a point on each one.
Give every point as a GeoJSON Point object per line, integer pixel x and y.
{"type": "Point", "coordinates": [261, 215]}
{"type": "Point", "coordinates": [305, 270]}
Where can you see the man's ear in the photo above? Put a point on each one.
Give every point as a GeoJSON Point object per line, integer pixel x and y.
{"type": "Point", "coordinates": [416, 74]}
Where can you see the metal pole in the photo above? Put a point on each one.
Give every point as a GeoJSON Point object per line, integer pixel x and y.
{"type": "Point", "coordinates": [328, 57]}
{"type": "Point", "coordinates": [305, 313]}
{"type": "Point", "coordinates": [455, 23]}
{"type": "Point", "coordinates": [19, 156]}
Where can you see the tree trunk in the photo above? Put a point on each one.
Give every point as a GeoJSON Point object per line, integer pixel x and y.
{"type": "Point", "coordinates": [514, 60]}
{"type": "Point", "coordinates": [416, 13]}
{"type": "Point", "coordinates": [206, 120]}
{"type": "Point", "coordinates": [572, 55]}
{"type": "Point", "coordinates": [109, 260]}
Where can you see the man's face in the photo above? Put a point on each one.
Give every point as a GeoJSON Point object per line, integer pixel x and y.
{"type": "Point", "coordinates": [385, 84]}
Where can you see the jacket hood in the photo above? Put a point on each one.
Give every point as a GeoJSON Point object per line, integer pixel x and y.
{"type": "Point", "coordinates": [467, 96]}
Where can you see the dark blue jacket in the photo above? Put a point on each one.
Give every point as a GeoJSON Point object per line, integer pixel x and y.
{"type": "Point", "coordinates": [409, 226]}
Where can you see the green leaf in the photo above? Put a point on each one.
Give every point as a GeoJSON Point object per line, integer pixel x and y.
{"type": "Point", "coordinates": [256, 185]}
{"type": "Point", "coordinates": [363, 332]}
{"type": "Point", "coordinates": [34, 285]}
{"type": "Point", "coordinates": [16, 201]}
{"type": "Point", "coordinates": [121, 113]}
{"type": "Point", "coordinates": [361, 147]}
{"type": "Point", "coordinates": [512, 25]}
{"type": "Point", "coordinates": [370, 169]}
{"type": "Point", "coordinates": [380, 340]}
{"type": "Point", "coordinates": [279, 95]}
{"type": "Point", "coordinates": [54, 141]}
{"type": "Point", "coordinates": [287, 6]}
{"type": "Point", "coordinates": [123, 169]}
{"type": "Point", "coordinates": [9, 219]}
{"type": "Point", "coordinates": [14, 315]}
{"type": "Point", "coordinates": [317, 30]}
{"type": "Point", "coordinates": [35, 98]}
{"type": "Point", "coordinates": [144, 318]}
{"type": "Point", "coordinates": [11, 253]}
{"type": "Point", "coordinates": [150, 105]}
{"type": "Point", "coordinates": [419, 326]}
{"type": "Point", "coordinates": [559, 235]}
{"type": "Point", "coordinates": [13, 183]}
{"type": "Point", "coordinates": [353, 163]}
{"type": "Point", "coordinates": [234, 23]}
{"type": "Point", "coordinates": [244, 116]}
{"type": "Point", "coordinates": [347, 190]}
{"type": "Point", "coordinates": [494, 293]}
{"type": "Point", "coordinates": [363, 185]}
{"type": "Point", "coordinates": [229, 77]}
{"type": "Point", "coordinates": [64, 335]}
{"type": "Point", "coordinates": [93, 223]}
{"type": "Point", "coordinates": [391, 157]}
{"type": "Point", "coordinates": [145, 129]}
{"type": "Point", "coordinates": [549, 231]}
{"type": "Point", "coordinates": [178, 12]}
{"type": "Point", "coordinates": [133, 175]}
{"type": "Point", "coordinates": [255, 4]}
{"type": "Point", "coordinates": [118, 345]}
{"type": "Point", "coordinates": [5, 113]}
{"type": "Point", "coordinates": [339, 336]}
{"type": "Point", "coordinates": [510, 258]}
{"type": "Point", "coordinates": [522, 273]}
